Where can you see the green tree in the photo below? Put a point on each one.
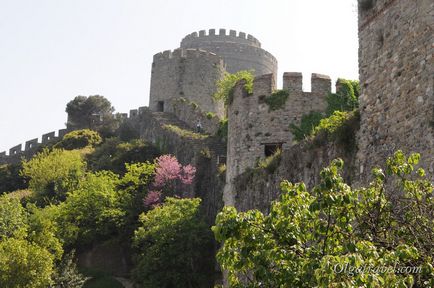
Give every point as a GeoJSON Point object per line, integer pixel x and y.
{"type": "Point", "coordinates": [53, 173]}
{"type": "Point", "coordinates": [173, 245]}
{"type": "Point", "coordinates": [79, 139]}
{"type": "Point", "coordinates": [84, 111]}
{"type": "Point", "coordinates": [226, 85]}
{"type": "Point", "coordinates": [308, 238]}
{"type": "Point", "coordinates": [24, 264]}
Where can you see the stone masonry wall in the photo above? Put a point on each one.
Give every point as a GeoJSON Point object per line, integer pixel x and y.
{"type": "Point", "coordinates": [302, 163]}
{"type": "Point", "coordinates": [396, 74]}
{"type": "Point", "coordinates": [252, 124]}
{"type": "Point", "coordinates": [238, 50]}
{"type": "Point", "coordinates": [188, 73]}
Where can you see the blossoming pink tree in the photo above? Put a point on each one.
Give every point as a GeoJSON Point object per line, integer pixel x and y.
{"type": "Point", "coordinates": [171, 178]}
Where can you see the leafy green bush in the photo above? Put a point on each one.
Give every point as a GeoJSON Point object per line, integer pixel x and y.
{"type": "Point", "coordinates": [226, 85]}
{"type": "Point", "coordinates": [28, 245]}
{"type": "Point", "coordinates": [277, 99]}
{"type": "Point", "coordinates": [341, 127]}
{"type": "Point", "coordinates": [173, 245]}
{"type": "Point", "coordinates": [184, 133]}
{"type": "Point", "coordinates": [94, 209]}
{"type": "Point", "coordinates": [24, 264]}
{"type": "Point", "coordinates": [114, 153]}
{"type": "Point", "coordinates": [307, 125]}
{"type": "Point", "coordinates": [320, 238]}
{"type": "Point", "coordinates": [345, 98]}
{"type": "Point", "coordinates": [271, 163]}
{"type": "Point", "coordinates": [53, 173]}
{"type": "Point", "coordinates": [79, 139]}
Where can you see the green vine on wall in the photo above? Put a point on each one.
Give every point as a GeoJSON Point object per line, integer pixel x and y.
{"type": "Point", "coordinates": [277, 99]}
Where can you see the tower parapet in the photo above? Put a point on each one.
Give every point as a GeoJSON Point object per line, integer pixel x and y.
{"type": "Point", "coordinates": [239, 50]}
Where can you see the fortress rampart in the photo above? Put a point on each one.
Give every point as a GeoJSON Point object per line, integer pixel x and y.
{"type": "Point", "coordinates": [188, 73]}
{"type": "Point", "coordinates": [16, 153]}
{"type": "Point", "coordinates": [238, 50]}
{"type": "Point", "coordinates": [254, 128]}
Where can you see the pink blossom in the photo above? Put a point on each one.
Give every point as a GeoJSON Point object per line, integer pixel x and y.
{"type": "Point", "coordinates": [167, 169]}
{"type": "Point", "coordinates": [187, 174]}
{"type": "Point", "coordinates": [152, 199]}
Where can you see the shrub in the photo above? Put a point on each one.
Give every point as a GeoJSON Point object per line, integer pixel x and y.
{"type": "Point", "coordinates": [184, 133]}
{"type": "Point", "coordinates": [79, 139]}
{"type": "Point", "coordinates": [225, 86]}
{"type": "Point", "coordinates": [277, 99]}
{"type": "Point", "coordinates": [53, 173]}
{"type": "Point", "coordinates": [345, 98]}
{"type": "Point", "coordinates": [210, 115]}
{"type": "Point", "coordinates": [271, 163]}
{"type": "Point", "coordinates": [114, 153]}
{"type": "Point", "coordinates": [307, 125]}
{"type": "Point", "coordinates": [309, 238]}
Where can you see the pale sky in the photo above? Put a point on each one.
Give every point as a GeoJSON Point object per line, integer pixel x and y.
{"type": "Point", "coordinates": [54, 50]}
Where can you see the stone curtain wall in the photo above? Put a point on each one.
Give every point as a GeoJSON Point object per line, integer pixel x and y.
{"type": "Point", "coordinates": [302, 163]}
{"type": "Point", "coordinates": [252, 124]}
{"type": "Point", "coordinates": [239, 50]}
{"type": "Point", "coordinates": [188, 73]}
{"type": "Point", "coordinates": [16, 153]}
{"type": "Point", "coordinates": [396, 74]}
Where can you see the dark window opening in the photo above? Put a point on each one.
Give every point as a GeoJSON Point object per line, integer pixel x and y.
{"type": "Point", "coordinates": [160, 106]}
{"type": "Point", "coordinates": [270, 149]}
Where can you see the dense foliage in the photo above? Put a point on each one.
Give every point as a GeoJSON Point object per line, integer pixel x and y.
{"type": "Point", "coordinates": [330, 236]}
{"type": "Point", "coordinates": [113, 153]}
{"type": "Point", "coordinates": [171, 242]}
{"type": "Point", "coordinates": [277, 99]}
{"type": "Point", "coordinates": [53, 173]}
{"type": "Point", "coordinates": [28, 246]}
{"type": "Point", "coordinates": [79, 139]}
{"type": "Point", "coordinates": [226, 85]}
{"type": "Point", "coordinates": [344, 100]}
{"type": "Point", "coordinates": [307, 125]}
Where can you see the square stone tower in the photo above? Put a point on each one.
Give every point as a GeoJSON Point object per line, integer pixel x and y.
{"type": "Point", "coordinates": [396, 75]}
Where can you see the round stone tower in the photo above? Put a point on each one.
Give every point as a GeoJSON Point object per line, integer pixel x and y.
{"type": "Point", "coordinates": [238, 50]}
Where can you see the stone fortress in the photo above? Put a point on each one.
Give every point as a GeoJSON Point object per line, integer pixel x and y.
{"type": "Point", "coordinates": [396, 107]}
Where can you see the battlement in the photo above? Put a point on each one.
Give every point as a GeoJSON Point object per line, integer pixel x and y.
{"type": "Point", "coordinates": [30, 146]}
{"type": "Point", "coordinates": [168, 55]}
{"type": "Point", "coordinates": [223, 36]}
